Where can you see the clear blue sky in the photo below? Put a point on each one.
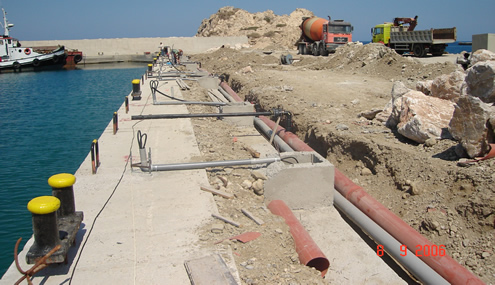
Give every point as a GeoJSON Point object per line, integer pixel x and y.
{"type": "Point", "coordinates": [91, 19]}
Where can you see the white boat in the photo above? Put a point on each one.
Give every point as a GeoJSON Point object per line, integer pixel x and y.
{"type": "Point", "coordinates": [15, 57]}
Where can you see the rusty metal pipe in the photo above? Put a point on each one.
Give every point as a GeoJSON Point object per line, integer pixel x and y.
{"type": "Point", "coordinates": [309, 253]}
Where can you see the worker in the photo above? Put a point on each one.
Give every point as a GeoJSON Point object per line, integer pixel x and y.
{"type": "Point", "coordinates": [161, 49]}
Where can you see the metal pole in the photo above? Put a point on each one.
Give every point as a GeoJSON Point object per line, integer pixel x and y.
{"type": "Point", "coordinates": [206, 164]}
{"type": "Point", "coordinates": [189, 103]}
{"type": "Point", "coordinates": [180, 116]}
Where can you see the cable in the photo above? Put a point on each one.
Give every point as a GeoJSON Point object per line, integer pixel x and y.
{"type": "Point", "coordinates": [154, 88]}
{"type": "Point", "coordinates": [287, 157]}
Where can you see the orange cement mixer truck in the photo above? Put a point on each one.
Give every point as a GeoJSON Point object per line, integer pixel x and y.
{"type": "Point", "coordinates": [321, 37]}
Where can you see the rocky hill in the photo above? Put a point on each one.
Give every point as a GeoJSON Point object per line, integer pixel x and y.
{"type": "Point", "coordinates": [263, 29]}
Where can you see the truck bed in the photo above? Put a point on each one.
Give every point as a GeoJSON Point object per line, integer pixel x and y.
{"type": "Point", "coordinates": [432, 36]}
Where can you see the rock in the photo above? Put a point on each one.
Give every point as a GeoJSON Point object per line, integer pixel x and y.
{"type": "Point", "coordinates": [249, 267]}
{"type": "Point", "coordinates": [391, 112]}
{"type": "Point", "coordinates": [423, 117]}
{"type": "Point", "coordinates": [247, 69]}
{"type": "Point", "coordinates": [485, 255]}
{"type": "Point", "coordinates": [258, 175]}
{"type": "Point", "coordinates": [217, 228]}
{"type": "Point", "coordinates": [258, 187]}
{"type": "Point", "coordinates": [415, 190]}
{"type": "Point", "coordinates": [480, 81]}
{"type": "Point", "coordinates": [424, 86]}
{"type": "Point", "coordinates": [430, 142]}
{"type": "Point", "coordinates": [471, 125]}
{"type": "Point", "coordinates": [342, 127]}
{"type": "Point", "coordinates": [370, 115]}
{"type": "Point", "coordinates": [465, 243]}
{"type": "Point", "coordinates": [481, 55]}
{"type": "Point", "coordinates": [247, 184]}
{"type": "Point", "coordinates": [366, 172]}
{"type": "Point", "coordinates": [448, 86]}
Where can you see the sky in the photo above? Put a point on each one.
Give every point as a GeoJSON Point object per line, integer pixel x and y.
{"type": "Point", "coordinates": [93, 19]}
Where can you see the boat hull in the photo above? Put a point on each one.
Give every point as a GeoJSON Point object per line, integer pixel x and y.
{"type": "Point", "coordinates": [53, 60]}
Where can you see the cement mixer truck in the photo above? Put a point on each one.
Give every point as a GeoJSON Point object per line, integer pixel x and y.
{"type": "Point", "coordinates": [321, 37]}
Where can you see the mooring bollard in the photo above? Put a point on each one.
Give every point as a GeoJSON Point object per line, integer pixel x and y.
{"type": "Point", "coordinates": [150, 69]}
{"type": "Point", "coordinates": [62, 189]}
{"type": "Point", "coordinates": [136, 89]}
{"type": "Point", "coordinates": [45, 227]}
{"type": "Point", "coordinates": [95, 156]}
{"type": "Point", "coordinates": [115, 122]}
{"type": "Point", "coordinates": [154, 60]}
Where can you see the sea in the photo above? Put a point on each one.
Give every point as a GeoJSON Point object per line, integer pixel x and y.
{"type": "Point", "coordinates": [48, 121]}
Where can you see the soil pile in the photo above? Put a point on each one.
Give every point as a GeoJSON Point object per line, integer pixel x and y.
{"type": "Point", "coordinates": [263, 29]}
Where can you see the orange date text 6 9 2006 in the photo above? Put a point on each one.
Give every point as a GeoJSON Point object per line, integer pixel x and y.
{"type": "Point", "coordinates": [421, 250]}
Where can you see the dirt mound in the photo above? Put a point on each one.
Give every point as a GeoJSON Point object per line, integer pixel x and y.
{"type": "Point", "coordinates": [263, 29]}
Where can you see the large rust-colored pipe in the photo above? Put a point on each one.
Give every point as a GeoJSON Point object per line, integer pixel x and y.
{"type": "Point", "coordinates": [309, 253]}
{"type": "Point", "coordinates": [229, 90]}
{"type": "Point", "coordinates": [445, 265]}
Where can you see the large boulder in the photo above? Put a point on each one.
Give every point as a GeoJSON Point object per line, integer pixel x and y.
{"type": "Point", "coordinates": [472, 125]}
{"type": "Point", "coordinates": [481, 55]}
{"type": "Point", "coordinates": [423, 117]}
{"type": "Point", "coordinates": [391, 113]}
{"type": "Point", "coordinates": [447, 86]}
{"type": "Point", "coordinates": [480, 81]}
{"type": "Point", "coordinates": [424, 86]}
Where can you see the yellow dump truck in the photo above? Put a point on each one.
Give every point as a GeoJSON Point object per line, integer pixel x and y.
{"type": "Point", "coordinates": [401, 37]}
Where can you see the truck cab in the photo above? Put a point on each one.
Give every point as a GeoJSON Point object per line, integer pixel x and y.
{"type": "Point", "coordinates": [381, 33]}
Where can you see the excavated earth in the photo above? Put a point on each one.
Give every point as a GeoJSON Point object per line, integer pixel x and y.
{"type": "Point", "coordinates": [449, 204]}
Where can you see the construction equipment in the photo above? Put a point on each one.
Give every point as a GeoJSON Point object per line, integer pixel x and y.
{"type": "Point", "coordinates": [321, 37]}
{"type": "Point", "coordinates": [401, 36]}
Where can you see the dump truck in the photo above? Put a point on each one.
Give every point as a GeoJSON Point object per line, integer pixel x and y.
{"type": "Point", "coordinates": [321, 37]}
{"type": "Point", "coordinates": [401, 36]}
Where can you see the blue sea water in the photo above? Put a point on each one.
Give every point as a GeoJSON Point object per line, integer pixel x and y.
{"type": "Point", "coordinates": [47, 123]}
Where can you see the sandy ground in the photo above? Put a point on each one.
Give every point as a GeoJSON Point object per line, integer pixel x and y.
{"type": "Point", "coordinates": [450, 205]}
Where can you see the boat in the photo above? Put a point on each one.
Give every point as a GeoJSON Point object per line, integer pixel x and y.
{"type": "Point", "coordinates": [14, 57]}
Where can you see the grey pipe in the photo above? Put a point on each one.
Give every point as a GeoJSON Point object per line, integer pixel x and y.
{"type": "Point", "coordinates": [282, 145]}
{"type": "Point", "coordinates": [206, 164]}
{"type": "Point", "coordinates": [411, 262]}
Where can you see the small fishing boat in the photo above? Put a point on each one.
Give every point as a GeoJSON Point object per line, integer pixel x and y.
{"type": "Point", "coordinates": [15, 57]}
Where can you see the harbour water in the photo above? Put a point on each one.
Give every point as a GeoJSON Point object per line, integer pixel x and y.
{"type": "Point", "coordinates": [47, 123]}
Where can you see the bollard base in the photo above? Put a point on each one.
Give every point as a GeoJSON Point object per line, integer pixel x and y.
{"type": "Point", "coordinates": [67, 228]}
{"type": "Point", "coordinates": [136, 95]}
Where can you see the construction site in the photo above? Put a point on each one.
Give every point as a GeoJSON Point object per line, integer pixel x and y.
{"type": "Point", "coordinates": [265, 165]}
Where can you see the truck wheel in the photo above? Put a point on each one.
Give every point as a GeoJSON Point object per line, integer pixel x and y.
{"type": "Point", "coordinates": [323, 51]}
{"type": "Point", "coordinates": [419, 50]}
{"type": "Point", "coordinates": [315, 50]}
{"type": "Point", "coordinates": [301, 49]}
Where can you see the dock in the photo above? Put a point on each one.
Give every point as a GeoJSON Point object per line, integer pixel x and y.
{"type": "Point", "coordinates": [146, 225]}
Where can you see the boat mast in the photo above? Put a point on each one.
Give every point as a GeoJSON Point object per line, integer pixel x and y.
{"type": "Point", "coordinates": [5, 25]}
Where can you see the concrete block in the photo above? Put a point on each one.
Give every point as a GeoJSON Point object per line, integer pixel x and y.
{"type": "Point", "coordinates": [483, 41]}
{"type": "Point", "coordinates": [303, 180]}
{"type": "Point", "coordinates": [239, 107]}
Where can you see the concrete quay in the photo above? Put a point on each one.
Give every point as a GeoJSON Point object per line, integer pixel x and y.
{"type": "Point", "coordinates": [140, 227]}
